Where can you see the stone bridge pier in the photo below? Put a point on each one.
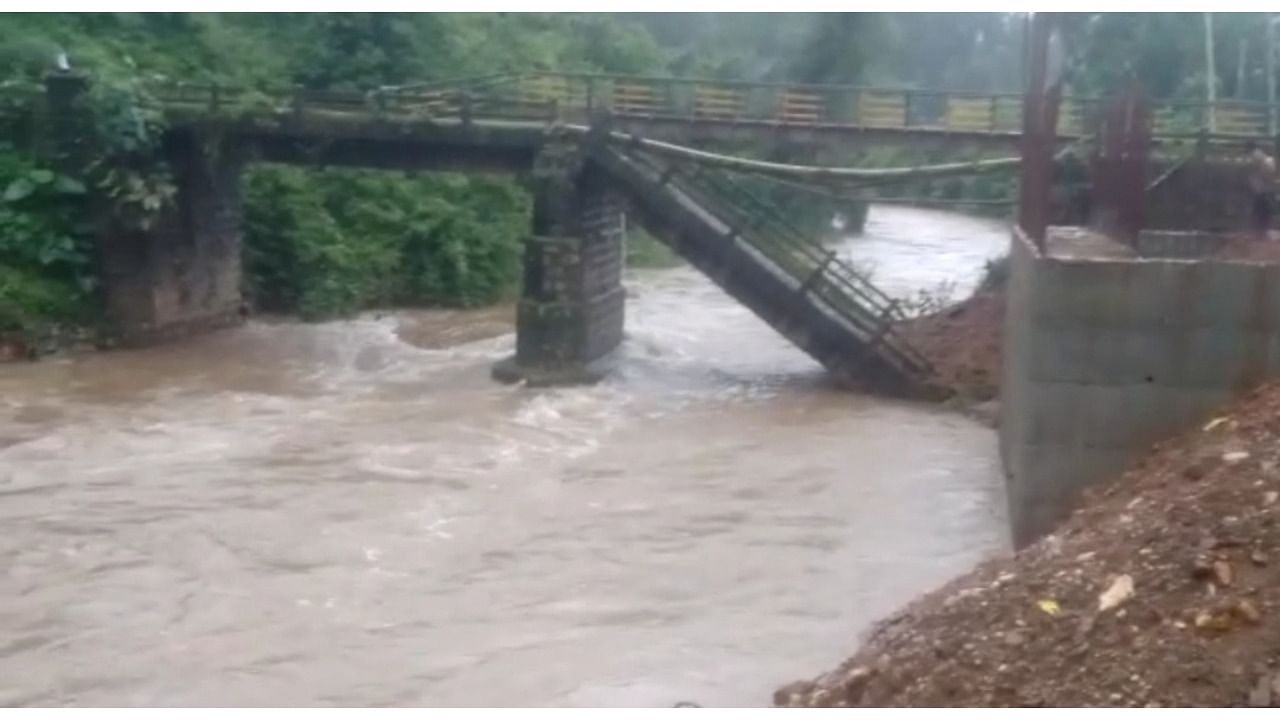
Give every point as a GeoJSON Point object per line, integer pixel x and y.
{"type": "Point", "coordinates": [570, 315]}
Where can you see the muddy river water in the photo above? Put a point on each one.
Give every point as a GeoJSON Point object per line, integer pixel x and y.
{"type": "Point", "coordinates": [353, 513]}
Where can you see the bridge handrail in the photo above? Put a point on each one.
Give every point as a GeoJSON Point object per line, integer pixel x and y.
{"type": "Point", "coordinates": [831, 105]}
{"type": "Point", "coordinates": [517, 95]}
{"type": "Point", "coordinates": [320, 97]}
{"type": "Point", "coordinates": [499, 78]}
{"type": "Point", "coordinates": [466, 81]}
{"type": "Point", "coordinates": [678, 79]}
{"type": "Point", "coordinates": [804, 242]}
{"type": "Point", "coordinates": [903, 90]}
{"type": "Point", "coordinates": [820, 271]}
{"type": "Point", "coordinates": [828, 267]}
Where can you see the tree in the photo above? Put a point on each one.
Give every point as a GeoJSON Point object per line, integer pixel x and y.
{"type": "Point", "coordinates": [839, 48]}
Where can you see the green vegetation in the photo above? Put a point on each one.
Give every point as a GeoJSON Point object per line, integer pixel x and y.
{"type": "Point", "coordinates": [326, 242]}
{"type": "Point", "coordinates": [322, 242]}
{"type": "Point", "coordinates": [45, 267]}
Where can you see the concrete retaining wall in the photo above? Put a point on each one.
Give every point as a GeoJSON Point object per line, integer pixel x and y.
{"type": "Point", "coordinates": [1106, 356]}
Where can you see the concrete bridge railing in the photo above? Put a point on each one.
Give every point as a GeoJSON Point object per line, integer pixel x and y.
{"type": "Point", "coordinates": [856, 107]}
{"type": "Point", "coordinates": [747, 106]}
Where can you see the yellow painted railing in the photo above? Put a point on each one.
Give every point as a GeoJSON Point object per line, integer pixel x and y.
{"type": "Point", "coordinates": [577, 97]}
{"type": "Point", "coordinates": [853, 107]}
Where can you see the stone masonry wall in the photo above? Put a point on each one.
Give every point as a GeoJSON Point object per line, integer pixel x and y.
{"type": "Point", "coordinates": [601, 229]}
{"type": "Point", "coordinates": [1106, 356]}
{"type": "Point", "coordinates": [183, 274]}
{"type": "Point", "coordinates": [571, 313]}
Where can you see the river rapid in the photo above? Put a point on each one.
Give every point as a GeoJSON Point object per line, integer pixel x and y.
{"type": "Point", "coordinates": [354, 513]}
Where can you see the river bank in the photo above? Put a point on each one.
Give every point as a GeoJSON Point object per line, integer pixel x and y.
{"type": "Point", "coordinates": [963, 343]}
{"type": "Point", "coordinates": [1162, 590]}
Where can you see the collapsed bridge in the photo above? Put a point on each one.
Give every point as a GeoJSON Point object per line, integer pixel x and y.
{"type": "Point", "coordinates": [182, 274]}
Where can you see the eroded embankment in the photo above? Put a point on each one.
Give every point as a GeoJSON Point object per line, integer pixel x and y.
{"type": "Point", "coordinates": [1162, 589]}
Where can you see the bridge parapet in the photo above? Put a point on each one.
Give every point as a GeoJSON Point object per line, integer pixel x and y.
{"type": "Point", "coordinates": [740, 109]}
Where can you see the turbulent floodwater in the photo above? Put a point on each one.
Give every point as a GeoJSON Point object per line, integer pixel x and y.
{"type": "Point", "coordinates": [353, 513]}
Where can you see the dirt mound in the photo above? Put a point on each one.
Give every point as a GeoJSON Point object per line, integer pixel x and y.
{"type": "Point", "coordinates": [1163, 589]}
{"type": "Point", "coordinates": [963, 344]}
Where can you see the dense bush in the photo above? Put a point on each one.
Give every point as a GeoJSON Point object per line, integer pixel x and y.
{"type": "Point", "coordinates": [325, 243]}
{"type": "Point", "coordinates": [45, 258]}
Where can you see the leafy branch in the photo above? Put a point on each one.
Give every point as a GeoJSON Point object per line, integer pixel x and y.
{"type": "Point", "coordinates": [128, 128]}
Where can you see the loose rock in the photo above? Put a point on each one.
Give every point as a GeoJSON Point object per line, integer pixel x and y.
{"type": "Point", "coordinates": [1249, 612]}
{"type": "Point", "coordinates": [1222, 573]}
{"type": "Point", "coordinates": [1049, 627]}
{"type": "Point", "coordinates": [1121, 590]}
{"type": "Point", "coordinates": [1234, 457]}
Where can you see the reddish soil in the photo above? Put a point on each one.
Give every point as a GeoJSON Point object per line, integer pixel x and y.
{"type": "Point", "coordinates": [963, 344]}
{"type": "Point", "coordinates": [1193, 530]}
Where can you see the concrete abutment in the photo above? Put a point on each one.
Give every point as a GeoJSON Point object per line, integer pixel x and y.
{"type": "Point", "coordinates": [1108, 353]}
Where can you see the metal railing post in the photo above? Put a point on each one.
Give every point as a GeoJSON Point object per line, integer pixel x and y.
{"type": "Point", "coordinates": [1269, 71]}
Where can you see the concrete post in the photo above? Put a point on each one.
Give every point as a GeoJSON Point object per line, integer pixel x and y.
{"type": "Point", "coordinates": [1270, 68]}
{"type": "Point", "coordinates": [570, 316]}
{"type": "Point", "coordinates": [1210, 74]}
